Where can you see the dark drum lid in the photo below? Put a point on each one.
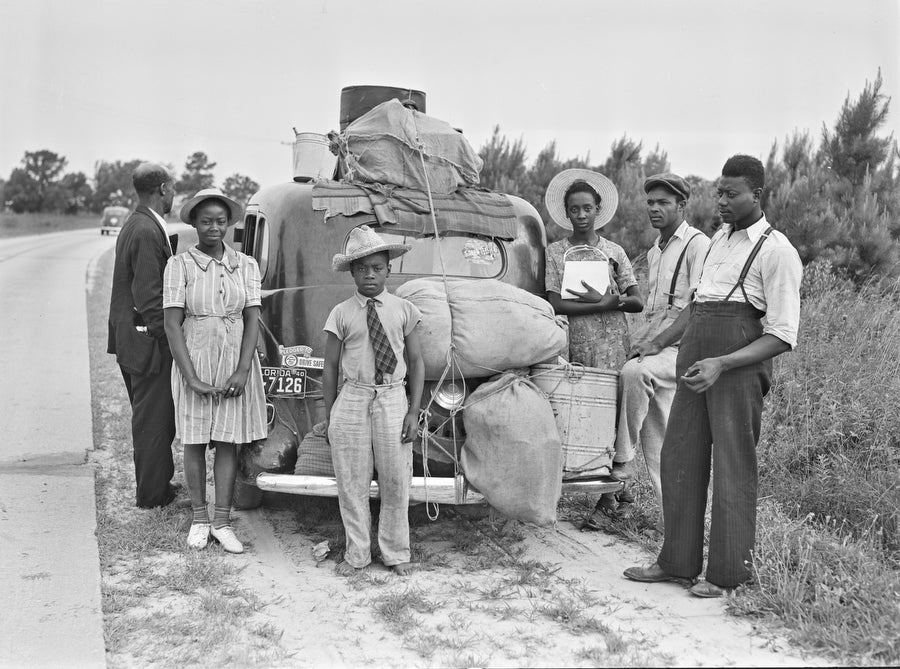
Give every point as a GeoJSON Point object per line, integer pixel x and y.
{"type": "Point", "coordinates": [358, 100]}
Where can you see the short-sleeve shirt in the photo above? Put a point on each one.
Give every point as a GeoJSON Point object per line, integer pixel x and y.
{"type": "Point", "coordinates": [622, 271]}
{"type": "Point", "coordinates": [225, 292]}
{"type": "Point", "coordinates": [772, 284]}
{"type": "Point", "coordinates": [348, 322]}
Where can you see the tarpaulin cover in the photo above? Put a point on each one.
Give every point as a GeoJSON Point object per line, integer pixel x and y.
{"type": "Point", "coordinates": [383, 146]}
{"type": "Point", "coordinates": [467, 210]}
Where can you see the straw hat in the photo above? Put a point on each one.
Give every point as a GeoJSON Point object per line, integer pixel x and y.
{"type": "Point", "coordinates": [556, 193]}
{"type": "Point", "coordinates": [234, 209]}
{"type": "Point", "coordinates": [364, 241]}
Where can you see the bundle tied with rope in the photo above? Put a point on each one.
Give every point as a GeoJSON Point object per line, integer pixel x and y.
{"type": "Point", "coordinates": [484, 327]}
{"type": "Point", "coordinates": [391, 144]}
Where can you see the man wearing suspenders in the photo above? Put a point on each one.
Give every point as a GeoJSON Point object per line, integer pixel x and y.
{"type": "Point", "coordinates": [647, 381]}
{"type": "Point", "coordinates": [746, 311]}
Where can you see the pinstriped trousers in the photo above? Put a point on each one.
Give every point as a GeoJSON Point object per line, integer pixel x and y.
{"type": "Point", "coordinates": [719, 427]}
{"type": "Point", "coordinates": [365, 432]}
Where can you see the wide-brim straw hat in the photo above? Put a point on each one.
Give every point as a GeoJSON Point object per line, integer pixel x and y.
{"type": "Point", "coordinates": [234, 209]}
{"type": "Point", "coordinates": [364, 241]}
{"type": "Point", "coordinates": [555, 197]}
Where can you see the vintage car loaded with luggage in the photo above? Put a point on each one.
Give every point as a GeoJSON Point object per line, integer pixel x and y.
{"type": "Point", "coordinates": [476, 271]}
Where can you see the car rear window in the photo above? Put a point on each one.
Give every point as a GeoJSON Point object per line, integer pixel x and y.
{"type": "Point", "coordinates": [465, 255]}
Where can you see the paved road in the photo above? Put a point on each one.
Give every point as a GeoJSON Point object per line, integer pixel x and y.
{"type": "Point", "coordinates": [49, 567]}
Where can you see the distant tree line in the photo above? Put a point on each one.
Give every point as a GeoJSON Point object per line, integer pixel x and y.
{"type": "Point", "coordinates": [837, 199]}
{"type": "Point", "coordinates": [41, 184]}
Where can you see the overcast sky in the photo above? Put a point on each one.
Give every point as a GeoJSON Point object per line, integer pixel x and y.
{"type": "Point", "coordinates": [160, 79]}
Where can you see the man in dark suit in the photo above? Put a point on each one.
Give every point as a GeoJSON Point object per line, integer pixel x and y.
{"type": "Point", "coordinates": [137, 336]}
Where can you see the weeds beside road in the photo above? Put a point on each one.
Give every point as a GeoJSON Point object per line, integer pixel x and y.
{"type": "Point", "coordinates": [825, 564]}
{"type": "Point", "coordinates": [828, 533]}
{"type": "Point", "coordinates": [162, 604]}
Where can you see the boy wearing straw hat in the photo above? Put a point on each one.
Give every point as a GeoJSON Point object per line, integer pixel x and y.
{"type": "Point", "coordinates": [371, 340]}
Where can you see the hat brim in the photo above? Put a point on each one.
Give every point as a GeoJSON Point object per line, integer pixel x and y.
{"type": "Point", "coordinates": [234, 209]}
{"type": "Point", "coordinates": [555, 196]}
{"type": "Point", "coordinates": [341, 262]}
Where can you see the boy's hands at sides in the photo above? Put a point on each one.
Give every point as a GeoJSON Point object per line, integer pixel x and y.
{"type": "Point", "coordinates": [410, 427]}
{"type": "Point", "coordinates": [416, 365]}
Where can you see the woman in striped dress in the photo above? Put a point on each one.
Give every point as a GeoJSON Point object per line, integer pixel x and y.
{"type": "Point", "coordinates": [211, 298]}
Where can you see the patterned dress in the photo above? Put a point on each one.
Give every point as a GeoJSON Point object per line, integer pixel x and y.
{"type": "Point", "coordinates": [213, 294]}
{"type": "Point", "coordinates": [595, 340]}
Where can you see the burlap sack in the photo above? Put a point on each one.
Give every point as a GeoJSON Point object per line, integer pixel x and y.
{"type": "Point", "coordinates": [494, 326]}
{"type": "Point", "coordinates": [512, 454]}
{"type": "Point", "coordinates": [435, 327]}
{"type": "Point", "coordinates": [382, 146]}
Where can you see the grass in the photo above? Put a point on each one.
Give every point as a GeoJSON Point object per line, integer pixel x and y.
{"type": "Point", "coordinates": [825, 566]}
{"type": "Point", "coordinates": [830, 588]}
{"type": "Point", "coordinates": [16, 225]}
{"type": "Point", "coordinates": [162, 604]}
{"type": "Point", "coordinates": [828, 530]}
{"type": "Point", "coordinates": [827, 558]}
{"type": "Point", "coordinates": [828, 547]}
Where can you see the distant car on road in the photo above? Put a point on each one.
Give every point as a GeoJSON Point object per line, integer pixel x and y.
{"type": "Point", "coordinates": [113, 218]}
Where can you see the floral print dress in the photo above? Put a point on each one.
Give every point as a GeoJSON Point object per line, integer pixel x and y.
{"type": "Point", "coordinates": [595, 340]}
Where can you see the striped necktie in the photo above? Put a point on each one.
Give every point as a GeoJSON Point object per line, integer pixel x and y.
{"type": "Point", "coordinates": [385, 360]}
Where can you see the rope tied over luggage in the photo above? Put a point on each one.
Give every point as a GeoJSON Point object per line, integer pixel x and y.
{"type": "Point", "coordinates": [453, 371]}
{"type": "Point", "coordinates": [451, 355]}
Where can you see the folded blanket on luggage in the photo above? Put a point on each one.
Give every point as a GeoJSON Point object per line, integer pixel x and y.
{"type": "Point", "coordinates": [465, 210]}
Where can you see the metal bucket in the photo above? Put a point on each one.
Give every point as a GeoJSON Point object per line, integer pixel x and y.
{"type": "Point", "coordinates": [584, 403]}
{"type": "Point", "coordinates": [312, 158]}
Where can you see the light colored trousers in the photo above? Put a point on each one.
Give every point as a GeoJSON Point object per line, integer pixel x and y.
{"type": "Point", "coordinates": [646, 391]}
{"type": "Point", "coordinates": [365, 432]}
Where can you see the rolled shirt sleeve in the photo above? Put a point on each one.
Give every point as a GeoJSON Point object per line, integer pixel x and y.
{"type": "Point", "coordinates": [782, 272]}
{"type": "Point", "coordinates": [696, 254]}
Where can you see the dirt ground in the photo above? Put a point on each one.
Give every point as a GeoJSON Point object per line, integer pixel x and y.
{"type": "Point", "coordinates": [488, 592]}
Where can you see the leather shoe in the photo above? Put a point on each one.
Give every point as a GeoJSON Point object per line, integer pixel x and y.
{"type": "Point", "coordinates": [225, 536]}
{"type": "Point", "coordinates": [653, 574]}
{"type": "Point", "coordinates": [708, 590]}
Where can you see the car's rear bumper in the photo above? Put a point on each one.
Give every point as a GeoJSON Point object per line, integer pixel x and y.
{"type": "Point", "coordinates": [442, 490]}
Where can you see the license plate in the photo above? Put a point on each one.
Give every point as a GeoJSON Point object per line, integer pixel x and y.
{"type": "Point", "coordinates": [284, 382]}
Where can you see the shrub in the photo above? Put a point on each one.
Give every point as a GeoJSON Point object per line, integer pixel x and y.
{"type": "Point", "coordinates": [830, 444]}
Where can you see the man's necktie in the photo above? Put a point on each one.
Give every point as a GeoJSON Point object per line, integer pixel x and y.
{"type": "Point", "coordinates": [385, 360]}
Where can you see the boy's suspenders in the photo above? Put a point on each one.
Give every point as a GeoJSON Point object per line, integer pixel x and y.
{"type": "Point", "coordinates": [746, 268]}
{"type": "Point", "coordinates": [678, 268]}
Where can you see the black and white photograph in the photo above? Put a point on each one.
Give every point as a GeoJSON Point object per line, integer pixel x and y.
{"type": "Point", "coordinates": [422, 334]}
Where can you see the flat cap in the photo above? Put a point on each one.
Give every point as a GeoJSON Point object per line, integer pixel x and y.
{"type": "Point", "coordinates": [673, 182]}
